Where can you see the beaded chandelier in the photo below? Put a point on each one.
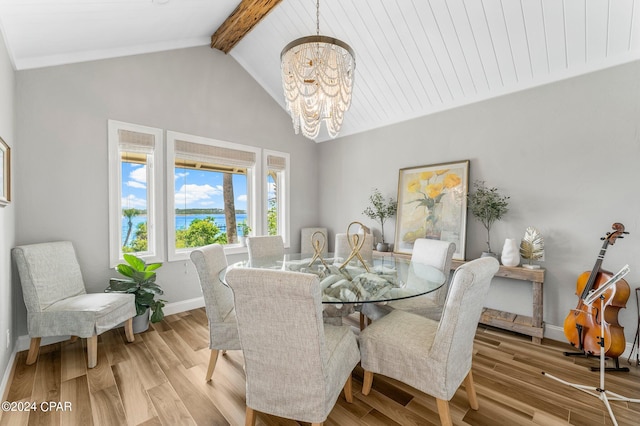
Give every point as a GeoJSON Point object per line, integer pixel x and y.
{"type": "Point", "coordinates": [317, 77]}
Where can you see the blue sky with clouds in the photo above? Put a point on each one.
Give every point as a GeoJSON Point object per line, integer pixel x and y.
{"type": "Point", "coordinates": [193, 188]}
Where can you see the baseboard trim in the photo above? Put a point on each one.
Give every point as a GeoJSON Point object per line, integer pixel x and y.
{"type": "Point", "coordinates": [183, 306]}
{"type": "Point", "coordinates": [8, 373]}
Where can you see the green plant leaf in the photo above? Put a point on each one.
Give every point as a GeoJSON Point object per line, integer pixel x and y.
{"type": "Point", "coordinates": [158, 313]}
{"type": "Point", "coordinates": [141, 309]}
{"type": "Point", "coordinates": [144, 298]}
{"type": "Point", "coordinates": [125, 270]}
{"type": "Point", "coordinates": [142, 277]}
{"type": "Point", "coordinates": [135, 262]}
{"type": "Point", "coordinates": [121, 286]}
{"type": "Point", "coordinates": [151, 288]}
{"type": "Point", "coordinates": [152, 266]}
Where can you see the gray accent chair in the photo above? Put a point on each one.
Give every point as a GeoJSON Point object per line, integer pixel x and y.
{"type": "Point", "coordinates": [306, 246]}
{"type": "Point", "coordinates": [265, 248]}
{"type": "Point", "coordinates": [295, 364]}
{"type": "Point", "coordinates": [58, 303]}
{"type": "Point", "coordinates": [343, 249]}
{"type": "Point", "coordinates": [435, 253]}
{"type": "Point", "coordinates": [433, 357]}
{"type": "Point", "coordinates": [218, 301]}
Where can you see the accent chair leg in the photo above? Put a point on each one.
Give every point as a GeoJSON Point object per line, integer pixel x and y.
{"type": "Point", "coordinates": [443, 411]}
{"type": "Point", "coordinates": [34, 348]}
{"type": "Point", "coordinates": [363, 321]}
{"type": "Point", "coordinates": [250, 418]}
{"type": "Point", "coordinates": [367, 382]}
{"type": "Point", "coordinates": [128, 330]}
{"type": "Point", "coordinates": [348, 390]}
{"type": "Point", "coordinates": [471, 392]}
{"type": "Point", "coordinates": [92, 351]}
{"type": "Point", "coordinates": [212, 364]}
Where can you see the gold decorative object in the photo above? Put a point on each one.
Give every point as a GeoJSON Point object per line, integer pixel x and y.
{"type": "Point", "coordinates": [318, 245]}
{"type": "Point", "coordinates": [532, 247]}
{"type": "Point", "coordinates": [356, 242]}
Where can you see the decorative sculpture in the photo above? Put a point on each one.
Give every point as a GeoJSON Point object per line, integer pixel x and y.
{"type": "Point", "coordinates": [318, 245]}
{"type": "Point", "coordinates": [532, 247]}
{"type": "Point", "coordinates": [356, 241]}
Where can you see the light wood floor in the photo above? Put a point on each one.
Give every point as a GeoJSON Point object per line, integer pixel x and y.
{"type": "Point", "coordinates": [159, 380]}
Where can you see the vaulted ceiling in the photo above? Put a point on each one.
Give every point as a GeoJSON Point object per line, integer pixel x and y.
{"type": "Point", "coordinates": [414, 57]}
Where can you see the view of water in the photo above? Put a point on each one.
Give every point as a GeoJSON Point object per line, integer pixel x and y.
{"type": "Point", "coordinates": [182, 222]}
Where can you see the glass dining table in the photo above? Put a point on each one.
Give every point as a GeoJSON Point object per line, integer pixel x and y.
{"type": "Point", "coordinates": [345, 286]}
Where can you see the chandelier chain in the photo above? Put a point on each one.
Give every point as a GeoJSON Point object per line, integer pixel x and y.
{"type": "Point", "coordinates": [317, 17]}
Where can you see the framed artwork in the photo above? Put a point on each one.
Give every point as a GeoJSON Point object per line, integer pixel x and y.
{"type": "Point", "coordinates": [432, 203]}
{"type": "Point", "coordinates": [5, 173]}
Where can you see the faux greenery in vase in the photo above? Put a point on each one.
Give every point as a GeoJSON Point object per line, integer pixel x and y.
{"type": "Point", "coordinates": [488, 206]}
{"type": "Point", "coordinates": [380, 210]}
{"type": "Point", "coordinates": [246, 229]}
{"type": "Point", "coordinates": [141, 281]}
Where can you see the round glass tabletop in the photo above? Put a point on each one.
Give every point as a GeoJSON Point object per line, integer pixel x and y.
{"type": "Point", "coordinates": [387, 278]}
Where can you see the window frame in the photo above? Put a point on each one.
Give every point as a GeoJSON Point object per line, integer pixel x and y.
{"type": "Point", "coordinates": [284, 201]}
{"type": "Point", "coordinates": [155, 218]}
{"type": "Point", "coordinates": [254, 206]}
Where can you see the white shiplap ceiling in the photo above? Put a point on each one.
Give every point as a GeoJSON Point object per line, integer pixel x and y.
{"type": "Point", "coordinates": [414, 57]}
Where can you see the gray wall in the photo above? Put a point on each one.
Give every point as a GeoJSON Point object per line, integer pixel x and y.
{"type": "Point", "coordinates": [62, 115]}
{"type": "Point", "coordinates": [567, 154]}
{"type": "Point", "coordinates": [7, 214]}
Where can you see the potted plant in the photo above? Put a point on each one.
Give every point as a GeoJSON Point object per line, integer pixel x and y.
{"type": "Point", "coordinates": [246, 230]}
{"type": "Point", "coordinates": [141, 281]}
{"type": "Point", "coordinates": [488, 206]}
{"type": "Point", "coordinates": [380, 210]}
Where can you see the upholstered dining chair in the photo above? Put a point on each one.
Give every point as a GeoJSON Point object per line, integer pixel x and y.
{"type": "Point", "coordinates": [343, 249]}
{"type": "Point", "coordinates": [433, 357]}
{"type": "Point", "coordinates": [265, 247]}
{"type": "Point", "coordinates": [218, 301]}
{"type": "Point", "coordinates": [57, 301]}
{"type": "Point", "coordinates": [434, 253]}
{"type": "Point", "coordinates": [307, 246]}
{"type": "Point", "coordinates": [295, 365]}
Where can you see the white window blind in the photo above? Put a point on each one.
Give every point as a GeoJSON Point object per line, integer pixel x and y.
{"type": "Point", "coordinates": [129, 140]}
{"type": "Point", "coordinates": [214, 154]}
{"type": "Point", "coordinates": [275, 162]}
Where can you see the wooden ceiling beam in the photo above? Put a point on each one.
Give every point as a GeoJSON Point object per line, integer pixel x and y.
{"type": "Point", "coordinates": [240, 22]}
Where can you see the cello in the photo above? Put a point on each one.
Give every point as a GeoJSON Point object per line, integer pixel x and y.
{"type": "Point", "coordinates": [582, 325]}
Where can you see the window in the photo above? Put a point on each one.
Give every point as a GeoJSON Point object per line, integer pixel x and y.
{"type": "Point", "coordinates": [134, 191]}
{"type": "Point", "coordinates": [277, 190]}
{"type": "Point", "coordinates": [211, 192]}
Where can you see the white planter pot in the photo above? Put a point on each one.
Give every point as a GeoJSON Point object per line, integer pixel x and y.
{"type": "Point", "coordinates": [141, 322]}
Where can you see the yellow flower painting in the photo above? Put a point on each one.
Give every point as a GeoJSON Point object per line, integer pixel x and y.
{"type": "Point", "coordinates": [432, 204]}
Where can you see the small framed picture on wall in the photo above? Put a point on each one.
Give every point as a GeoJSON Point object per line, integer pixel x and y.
{"type": "Point", "coordinates": [5, 173]}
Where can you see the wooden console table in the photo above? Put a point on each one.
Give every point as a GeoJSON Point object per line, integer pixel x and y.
{"type": "Point", "coordinates": [531, 326]}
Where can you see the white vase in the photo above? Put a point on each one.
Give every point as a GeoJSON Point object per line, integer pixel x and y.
{"type": "Point", "coordinates": [510, 253]}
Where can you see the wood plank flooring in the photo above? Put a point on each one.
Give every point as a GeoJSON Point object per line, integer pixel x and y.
{"type": "Point", "coordinates": [159, 380]}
